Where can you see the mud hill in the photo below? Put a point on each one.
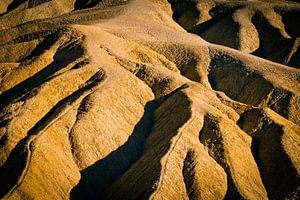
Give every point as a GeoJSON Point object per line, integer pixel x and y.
{"type": "Point", "coordinates": [149, 99]}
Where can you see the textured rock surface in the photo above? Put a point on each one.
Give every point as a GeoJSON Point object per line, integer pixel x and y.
{"type": "Point", "coordinates": [120, 99]}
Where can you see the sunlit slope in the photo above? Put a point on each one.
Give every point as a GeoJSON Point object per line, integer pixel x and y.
{"type": "Point", "coordinates": [114, 100]}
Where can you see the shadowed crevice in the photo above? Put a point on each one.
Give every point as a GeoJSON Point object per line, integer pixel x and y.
{"type": "Point", "coordinates": [232, 77]}
{"type": "Point", "coordinates": [33, 3]}
{"type": "Point", "coordinates": [13, 171]}
{"type": "Point", "coordinates": [295, 59]}
{"type": "Point", "coordinates": [217, 13]}
{"type": "Point", "coordinates": [99, 176]}
{"type": "Point", "coordinates": [13, 168]}
{"type": "Point", "coordinates": [277, 170]}
{"type": "Point", "coordinates": [46, 44]}
{"type": "Point", "coordinates": [62, 58]}
{"type": "Point", "coordinates": [211, 134]}
{"type": "Point", "coordinates": [185, 13]}
{"type": "Point", "coordinates": [188, 172]}
{"type": "Point", "coordinates": [14, 4]}
{"type": "Point", "coordinates": [83, 4]}
{"type": "Point", "coordinates": [272, 45]}
{"type": "Point", "coordinates": [290, 20]}
{"type": "Point", "coordinates": [145, 177]}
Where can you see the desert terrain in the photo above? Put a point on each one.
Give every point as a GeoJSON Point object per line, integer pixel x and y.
{"type": "Point", "coordinates": [149, 99]}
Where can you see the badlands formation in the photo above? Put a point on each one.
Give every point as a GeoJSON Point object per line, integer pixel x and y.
{"type": "Point", "coordinates": [149, 99]}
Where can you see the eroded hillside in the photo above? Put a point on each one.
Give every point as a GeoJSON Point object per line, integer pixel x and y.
{"type": "Point", "coordinates": [149, 99]}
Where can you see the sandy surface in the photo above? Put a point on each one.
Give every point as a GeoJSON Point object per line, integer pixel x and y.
{"type": "Point", "coordinates": [149, 99]}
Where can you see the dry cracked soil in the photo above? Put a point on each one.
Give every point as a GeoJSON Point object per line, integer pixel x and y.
{"type": "Point", "coordinates": [149, 99]}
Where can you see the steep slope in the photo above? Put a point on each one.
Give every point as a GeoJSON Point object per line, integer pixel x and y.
{"type": "Point", "coordinates": [113, 99]}
{"type": "Point", "coordinates": [267, 29]}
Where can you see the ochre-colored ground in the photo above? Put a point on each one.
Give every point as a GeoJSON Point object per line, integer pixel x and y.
{"type": "Point", "coordinates": [149, 99]}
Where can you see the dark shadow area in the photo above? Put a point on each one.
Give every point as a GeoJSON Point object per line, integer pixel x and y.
{"type": "Point", "coordinates": [231, 76]}
{"type": "Point", "coordinates": [33, 3]}
{"type": "Point", "coordinates": [291, 21]}
{"type": "Point", "coordinates": [210, 134]}
{"type": "Point", "coordinates": [99, 176]}
{"type": "Point", "coordinates": [217, 13]}
{"type": "Point", "coordinates": [83, 4]}
{"type": "Point", "coordinates": [14, 166]}
{"type": "Point", "coordinates": [228, 37]}
{"type": "Point", "coordinates": [276, 169]}
{"type": "Point", "coordinates": [222, 19]}
{"type": "Point", "coordinates": [295, 59]}
{"type": "Point", "coordinates": [46, 44]}
{"type": "Point", "coordinates": [255, 153]}
{"type": "Point", "coordinates": [200, 28]}
{"type": "Point", "coordinates": [188, 173]}
{"type": "Point", "coordinates": [164, 98]}
{"type": "Point", "coordinates": [185, 13]}
{"type": "Point", "coordinates": [234, 79]}
{"type": "Point", "coordinates": [44, 31]}
{"type": "Point", "coordinates": [141, 180]}
{"type": "Point", "coordinates": [272, 45]}
{"type": "Point", "coordinates": [3, 139]}
{"type": "Point", "coordinates": [62, 58]}
{"type": "Point", "coordinates": [14, 5]}
{"type": "Point", "coordinates": [54, 112]}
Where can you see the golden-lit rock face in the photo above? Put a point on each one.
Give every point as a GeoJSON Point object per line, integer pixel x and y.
{"type": "Point", "coordinates": [138, 99]}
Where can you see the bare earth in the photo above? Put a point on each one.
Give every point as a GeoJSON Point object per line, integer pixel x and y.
{"type": "Point", "coordinates": [149, 99]}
